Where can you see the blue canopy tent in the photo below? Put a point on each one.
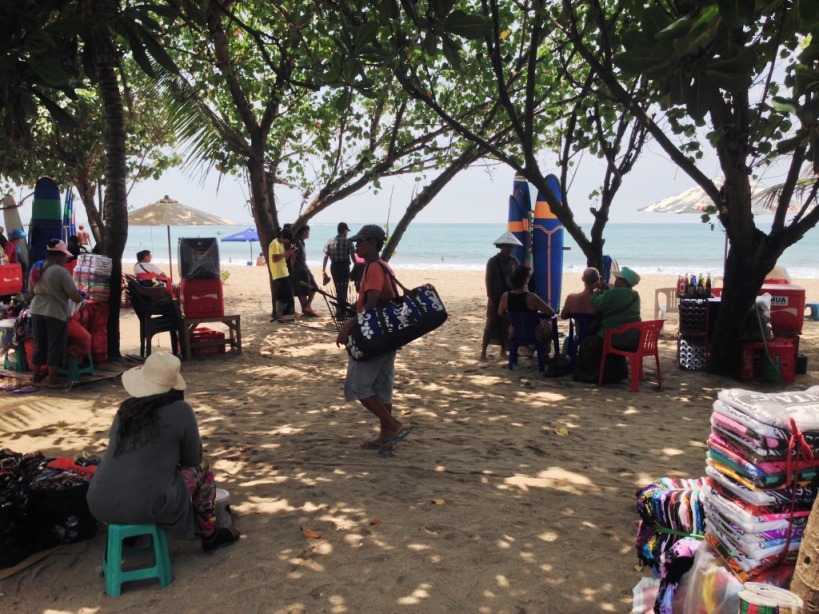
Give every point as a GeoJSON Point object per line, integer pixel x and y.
{"type": "Point", "coordinates": [250, 235]}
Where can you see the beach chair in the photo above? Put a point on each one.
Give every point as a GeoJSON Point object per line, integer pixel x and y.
{"type": "Point", "coordinates": [524, 324]}
{"type": "Point", "coordinates": [158, 313]}
{"type": "Point", "coordinates": [646, 346]}
{"type": "Point", "coordinates": [665, 302]}
{"type": "Point", "coordinates": [578, 326]}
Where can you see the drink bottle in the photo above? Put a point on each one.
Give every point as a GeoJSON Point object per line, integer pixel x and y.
{"type": "Point", "coordinates": [686, 285]}
{"type": "Point", "coordinates": [693, 288]}
{"type": "Point", "coordinates": [708, 285]}
{"type": "Point", "coordinates": [680, 286]}
{"type": "Point", "coordinates": [701, 286]}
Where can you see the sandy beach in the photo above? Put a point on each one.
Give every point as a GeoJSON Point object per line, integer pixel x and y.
{"type": "Point", "coordinates": [514, 493]}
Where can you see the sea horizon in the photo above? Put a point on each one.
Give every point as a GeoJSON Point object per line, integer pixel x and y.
{"type": "Point", "coordinates": [649, 249]}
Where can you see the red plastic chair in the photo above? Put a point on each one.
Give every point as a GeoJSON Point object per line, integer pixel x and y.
{"type": "Point", "coordinates": [647, 346]}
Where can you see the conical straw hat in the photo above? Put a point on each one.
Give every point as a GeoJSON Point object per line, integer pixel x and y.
{"type": "Point", "coordinates": [507, 238]}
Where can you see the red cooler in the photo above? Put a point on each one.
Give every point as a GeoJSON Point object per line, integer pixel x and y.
{"type": "Point", "coordinates": [11, 279]}
{"type": "Point", "coordinates": [202, 298]}
{"type": "Point", "coordinates": [787, 307]}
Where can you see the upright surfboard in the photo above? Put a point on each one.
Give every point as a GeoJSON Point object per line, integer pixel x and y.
{"type": "Point", "coordinates": [46, 217]}
{"type": "Point", "coordinates": [520, 206]}
{"type": "Point", "coordinates": [12, 222]}
{"type": "Point", "coordinates": [547, 244]}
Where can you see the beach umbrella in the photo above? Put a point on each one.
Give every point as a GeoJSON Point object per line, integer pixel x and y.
{"type": "Point", "coordinates": [169, 212]}
{"type": "Point", "coordinates": [695, 200]}
{"type": "Point", "coordinates": [250, 235]}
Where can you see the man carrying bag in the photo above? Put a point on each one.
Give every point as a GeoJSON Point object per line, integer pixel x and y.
{"type": "Point", "coordinates": [371, 381]}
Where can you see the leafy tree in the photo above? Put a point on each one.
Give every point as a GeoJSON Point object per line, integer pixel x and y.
{"type": "Point", "coordinates": [747, 70]}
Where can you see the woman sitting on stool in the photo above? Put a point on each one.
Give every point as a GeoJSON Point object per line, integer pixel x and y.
{"type": "Point", "coordinates": [154, 470]}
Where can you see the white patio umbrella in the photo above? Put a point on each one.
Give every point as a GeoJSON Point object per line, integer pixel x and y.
{"type": "Point", "coordinates": [169, 212]}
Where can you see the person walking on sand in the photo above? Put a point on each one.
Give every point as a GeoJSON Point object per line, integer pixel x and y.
{"type": "Point", "coordinates": [304, 285]}
{"type": "Point", "coordinates": [280, 251]}
{"type": "Point", "coordinates": [341, 254]}
{"type": "Point", "coordinates": [83, 236]}
{"type": "Point", "coordinates": [371, 381]}
{"type": "Point", "coordinates": [498, 269]}
{"type": "Point", "coordinates": [580, 302]}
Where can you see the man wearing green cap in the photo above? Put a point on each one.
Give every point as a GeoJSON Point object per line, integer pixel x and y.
{"type": "Point", "coordinates": [616, 306]}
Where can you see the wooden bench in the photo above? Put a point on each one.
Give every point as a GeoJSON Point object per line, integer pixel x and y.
{"type": "Point", "coordinates": [234, 340]}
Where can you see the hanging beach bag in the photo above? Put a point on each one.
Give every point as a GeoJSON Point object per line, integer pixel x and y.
{"type": "Point", "coordinates": [396, 322]}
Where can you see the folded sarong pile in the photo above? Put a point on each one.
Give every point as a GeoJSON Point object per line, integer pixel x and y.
{"type": "Point", "coordinates": [670, 509]}
{"type": "Point", "coordinates": [762, 477]}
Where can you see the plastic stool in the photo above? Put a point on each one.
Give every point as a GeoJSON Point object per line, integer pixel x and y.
{"type": "Point", "coordinates": [74, 369]}
{"type": "Point", "coordinates": [814, 311]}
{"type": "Point", "coordinates": [19, 363]}
{"type": "Point", "coordinates": [115, 576]}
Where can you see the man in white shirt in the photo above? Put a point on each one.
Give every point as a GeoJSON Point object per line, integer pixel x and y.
{"type": "Point", "coordinates": [144, 264]}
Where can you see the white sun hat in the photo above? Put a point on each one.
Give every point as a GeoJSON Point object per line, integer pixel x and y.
{"type": "Point", "coordinates": [507, 238]}
{"type": "Point", "coordinates": [158, 375]}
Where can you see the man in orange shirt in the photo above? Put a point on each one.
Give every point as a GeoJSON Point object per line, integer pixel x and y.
{"type": "Point", "coordinates": [371, 381]}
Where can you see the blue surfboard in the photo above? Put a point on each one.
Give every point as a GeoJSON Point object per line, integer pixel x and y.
{"type": "Point", "coordinates": [46, 218]}
{"type": "Point", "coordinates": [520, 207]}
{"type": "Point", "coordinates": [547, 244]}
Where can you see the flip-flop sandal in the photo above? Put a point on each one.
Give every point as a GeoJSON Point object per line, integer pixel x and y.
{"type": "Point", "coordinates": [28, 388]}
{"type": "Point", "coordinates": [371, 445]}
{"type": "Point", "coordinates": [391, 443]}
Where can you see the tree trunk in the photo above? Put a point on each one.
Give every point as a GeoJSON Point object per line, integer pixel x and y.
{"type": "Point", "coordinates": [115, 203]}
{"type": "Point", "coordinates": [805, 582]}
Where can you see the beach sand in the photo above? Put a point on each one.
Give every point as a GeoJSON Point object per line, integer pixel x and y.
{"type": "Point", "coordinates": [514, 493]}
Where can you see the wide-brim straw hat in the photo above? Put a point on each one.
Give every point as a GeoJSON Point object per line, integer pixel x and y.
{"type": "Point", "coordinates": [158, 375]}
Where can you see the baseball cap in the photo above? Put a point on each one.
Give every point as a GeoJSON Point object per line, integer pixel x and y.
{"type": "Point", "coordinates": [630, 277]}
{"type": "Point", "coordinates": [55, 245]}
{"type": "Point", "coordinates": [370, 231]}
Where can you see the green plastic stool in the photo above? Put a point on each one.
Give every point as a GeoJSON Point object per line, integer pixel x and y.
{"type": "Point", "coordinates": [74, 369]}
{"type": "Point", "coordinates": [115, 576]}
{"type": "Point", "coordinates": [19, 363]}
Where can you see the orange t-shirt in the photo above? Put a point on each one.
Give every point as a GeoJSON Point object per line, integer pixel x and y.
{"type": "Point", "coordinates": [375, 278]}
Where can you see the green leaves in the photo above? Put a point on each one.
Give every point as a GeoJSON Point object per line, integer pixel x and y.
{"type": "Point", "coordinates": [471, 27]}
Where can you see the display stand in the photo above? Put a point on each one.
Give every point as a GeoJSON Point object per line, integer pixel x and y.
{"type": "Point", "coordinates": [233, 323]}
{"type": "Point", "coordinates": [693, 342]}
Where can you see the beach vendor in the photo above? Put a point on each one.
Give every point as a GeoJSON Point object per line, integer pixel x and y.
{"type": "Point", "coordinates": [340, 252]}
{"type": "Point", "coordinates": [498, 269]}
{"type": "Point", "coordinates": [371, 381]}
{"type": "Point", "coordinates": [154, 470]}
{"type": "Point", "coordinates": [49, 312]}
{"type": "Point", "coordinates": [281, 251]}
{"type": "Point", "coordinates": [616, 306]}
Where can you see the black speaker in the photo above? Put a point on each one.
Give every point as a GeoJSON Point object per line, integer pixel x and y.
{"type": "Point", "coordinates": [199, 258]}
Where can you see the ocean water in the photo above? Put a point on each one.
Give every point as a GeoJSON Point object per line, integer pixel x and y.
{"type": "Point", "coordinates": [660, 249]}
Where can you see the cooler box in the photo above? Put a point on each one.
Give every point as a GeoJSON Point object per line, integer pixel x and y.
{"type": "Point", "coordinates": [787, 307]}
{"type": "Point", "coordinates": [199, 258]}
{"type": "Point", "coordinates": [783, 354]}
{"type": "Point", "coordinates": [202, 298]}
{"type": "Point", "coordinates": [11, 279]}
{"type": "Point", "coordinates": [206, 334]}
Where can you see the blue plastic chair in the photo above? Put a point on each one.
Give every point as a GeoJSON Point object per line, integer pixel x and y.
{"type": "Point", "coordinates": [578, 327]}
{"type": "Point", "coordinates": [525, 323]}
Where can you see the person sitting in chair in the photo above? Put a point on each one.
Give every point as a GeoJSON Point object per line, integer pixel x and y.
{"type": "Point", "coordinates": [144, 266]}
{"type": "Point", "coordinates": [520, 299]}
{"type": "Point", "coordinates": [580, 302]}
{"type": "Point", "coordinates": [616, 306]}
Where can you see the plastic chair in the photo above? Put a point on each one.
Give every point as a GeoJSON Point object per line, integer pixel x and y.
{"type": "Point", "coordinates": [157, 313]}
{"type": "Point", "coordinates": [647, 346]}
{"type": "Point", "coordinates": [669, 305]}
{"type": "Point", "coordinates": [115, 576]}
{"type": "Point", "coordinates": [525, 323]}
{"type": "Point", "coordinates": [578, 326]}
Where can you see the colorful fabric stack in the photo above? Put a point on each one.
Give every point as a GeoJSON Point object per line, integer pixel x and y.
{"type": "Point", "coordinates": [669, 509]}
{"type": "Point", "coordinates": [762, 476]}
{"type": "Point", "coordinates": [93, 276]}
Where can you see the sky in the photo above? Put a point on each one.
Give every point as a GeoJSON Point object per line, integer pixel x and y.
{"type": "Point", "coordinates": [477, 195]}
